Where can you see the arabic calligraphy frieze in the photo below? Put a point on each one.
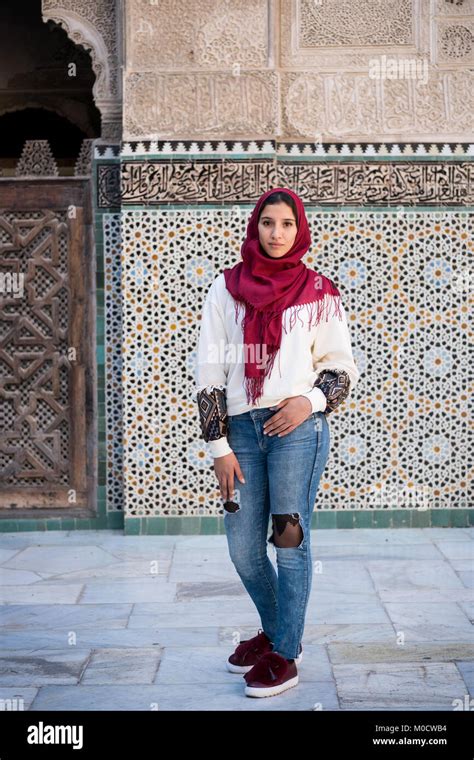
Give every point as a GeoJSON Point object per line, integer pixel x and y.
{"type": "Point", "coordinates": [199, 181]}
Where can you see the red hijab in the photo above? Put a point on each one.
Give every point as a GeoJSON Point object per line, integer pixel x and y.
{"type": "Point", "coordinates": [267, 286]}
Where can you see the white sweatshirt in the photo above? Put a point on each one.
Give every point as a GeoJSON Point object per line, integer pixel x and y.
{"type": "Point", "coordinates": [302, 355]}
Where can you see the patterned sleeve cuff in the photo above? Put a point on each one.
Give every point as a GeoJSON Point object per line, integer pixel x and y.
{"type": "Point", "coordinates": [213, 418]}
{"type": "Point", "coordinates": [335, 384]}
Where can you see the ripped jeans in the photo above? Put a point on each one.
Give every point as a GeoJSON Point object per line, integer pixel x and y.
{"type": "Point", "coordinates": [282, 477]}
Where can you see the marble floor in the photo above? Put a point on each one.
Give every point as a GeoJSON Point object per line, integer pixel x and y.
{"type": "Point", "coordinates": [94, 620]}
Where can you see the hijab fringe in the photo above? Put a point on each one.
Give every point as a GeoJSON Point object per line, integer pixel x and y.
{"type": "Point", "coordinates": [326, 302]}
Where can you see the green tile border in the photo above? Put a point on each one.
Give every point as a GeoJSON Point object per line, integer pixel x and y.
{"type": "Point", "coordinates": [214, 524]}
{"type": "Point", "coordinates": [321, 519]}
{"type": "Point", "coordinates": [284, 157]}
{"type": "Point", "coordinates": [104, 519]}
{"type": "Point", "coordinates": [110, 521]}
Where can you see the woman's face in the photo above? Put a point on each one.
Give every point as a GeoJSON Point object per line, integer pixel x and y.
{"type": "Point", "coordinates": [277, 229]}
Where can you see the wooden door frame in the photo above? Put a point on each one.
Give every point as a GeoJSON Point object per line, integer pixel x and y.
{"type": "Point", "coordinates": [60, 193]}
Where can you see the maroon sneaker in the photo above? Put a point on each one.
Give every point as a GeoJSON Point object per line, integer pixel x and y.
{"type": "Point", "coordinates": [271, 675]}
{"type": "Point", "coordinates": [248, 653]}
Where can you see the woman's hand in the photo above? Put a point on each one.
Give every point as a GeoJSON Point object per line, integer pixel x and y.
{"type": "Point", "coordinates": [293, 411]}
{"type": "Point", "coordinates": [225, 467]}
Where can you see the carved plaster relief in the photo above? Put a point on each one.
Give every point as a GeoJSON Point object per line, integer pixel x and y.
{"type": "Point", "coordinates": [177, 34]}
{"type": "Point", "coordinates": [352, 105]}
{"type": "Point", "coordinates": [456, 8]}
{"type": "Point", "coordinates": [454, 34]}
{"type": "Point", "coordinates": [374, 22]}
{"type": "Point", "coordinates": [167, 105]}
{"type": "Point", "coordinates": [338, 35]}
{"type": "Point", "coordinates": [455, 43]}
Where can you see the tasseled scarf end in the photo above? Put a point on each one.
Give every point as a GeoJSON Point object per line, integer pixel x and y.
{"type": "Point", "coordinates": [254, 385]}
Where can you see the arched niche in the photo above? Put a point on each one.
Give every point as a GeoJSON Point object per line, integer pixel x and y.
{"type": "Point", "coordinates": [95, 25]}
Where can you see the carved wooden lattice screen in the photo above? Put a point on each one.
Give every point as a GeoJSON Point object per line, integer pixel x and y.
{"type": "Point", "coordinates": [47, 342]}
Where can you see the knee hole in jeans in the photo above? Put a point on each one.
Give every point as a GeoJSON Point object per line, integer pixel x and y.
{"type": "Point", "coordinates": [287, 531]}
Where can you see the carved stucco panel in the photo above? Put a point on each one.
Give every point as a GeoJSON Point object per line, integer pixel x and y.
{"type": "Point", "coordinates": [349, 105]}
{"type": "Point", "coordinates": [178, 34]}
{"type": "Point", "coordinates": [455, 43]}
{"type": "Point", "coordinates": [460, 85]}
{"type": "Point", "coordinates": [336, 36]}
{"type": "Point", "coordinates": [338, 105]}
{"type": "Point", "coordinates": [429, 103]}
{"type": "Point", "coordinates": [167, 105]}
{"type": "Point", "coordinates": [140, 106]}
{"type": "Point", "coordinates": [455, 8]}
{"type": "Point", "coordinates": [338, 22]}
{"type": "Point", "coordinates": [351, 101]}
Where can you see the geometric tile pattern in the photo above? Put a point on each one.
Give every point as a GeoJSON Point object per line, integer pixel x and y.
{"type": "Point", "coordinates": [113, 360]}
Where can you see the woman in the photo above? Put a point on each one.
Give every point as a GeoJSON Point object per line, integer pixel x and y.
{"type": "Point", "coordinates": [267, 427]}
